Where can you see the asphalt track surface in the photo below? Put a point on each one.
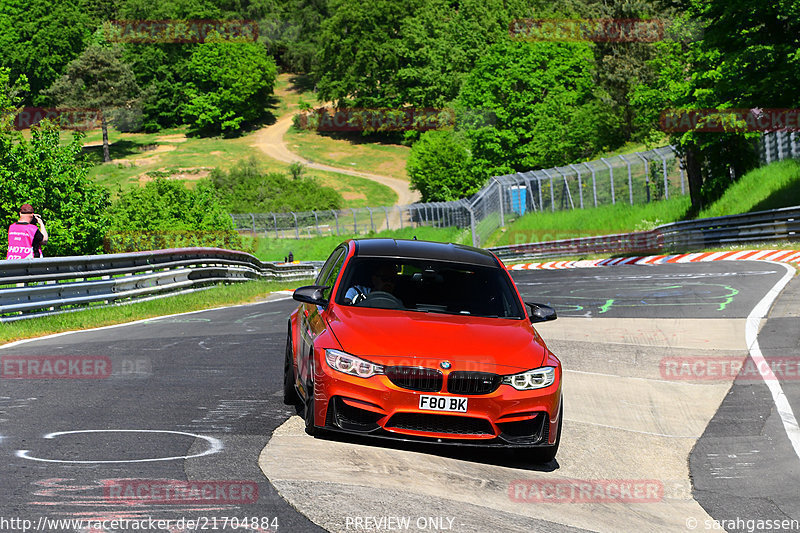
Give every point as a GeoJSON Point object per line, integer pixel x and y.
{"type": "Point", "coordinates": [197, 397]}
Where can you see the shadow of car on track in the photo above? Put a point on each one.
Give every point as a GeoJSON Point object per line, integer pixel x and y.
{"type": "Point", "coordinates": [495, 456]}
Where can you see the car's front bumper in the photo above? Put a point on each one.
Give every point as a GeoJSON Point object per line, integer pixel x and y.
{"type": "Point", "coordinates": [377, 407]}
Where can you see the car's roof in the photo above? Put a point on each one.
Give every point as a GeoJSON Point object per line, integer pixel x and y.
{"type": "Point", "coordinates": [438, 251]}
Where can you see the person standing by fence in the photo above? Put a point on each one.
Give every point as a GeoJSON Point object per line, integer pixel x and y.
{"type": "Point", "coordinates": [25, 239]}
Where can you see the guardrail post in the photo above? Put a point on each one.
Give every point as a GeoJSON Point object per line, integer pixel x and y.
{"type": "Point", "coordinates": [316, 222]}
{"type": "Point", "coordinates": [371, 223]}
{"type": "Point", "coordinates": [386, 212]}
{"type": "Point", "coordinates": [355, 222]}
{"type": "Point", "coordinates": [336, 217]}
{"type": "Point", "coordinates": [630, 179]}
{"type": "Point", "coordinates": [400, 213]}
{"type": "Point", "coordinates": [275, 220]}
{"type": "Point", "coordinates": [580, 183]}
{"type": "Point", "coordinates": [253, 220]}
{"type": "Point", "coordinates": [611, 177]}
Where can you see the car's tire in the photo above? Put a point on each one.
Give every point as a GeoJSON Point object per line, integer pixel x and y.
{"type": "Point", "coordinates": [290, 396]}
{"type": "Point", "coordinates": [308, 410]}
{"type": "Point", "coordinates": [548, 453]}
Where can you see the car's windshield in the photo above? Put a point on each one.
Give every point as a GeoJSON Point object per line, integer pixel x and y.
{"type": "Point", "coordinates": [429, 286]}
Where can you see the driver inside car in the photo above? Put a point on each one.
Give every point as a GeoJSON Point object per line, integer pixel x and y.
{"type": "Point", "coordinates": [382, 278]}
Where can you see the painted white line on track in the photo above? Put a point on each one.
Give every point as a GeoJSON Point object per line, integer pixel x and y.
{"type": "Point", "coordinates": [759, 312]}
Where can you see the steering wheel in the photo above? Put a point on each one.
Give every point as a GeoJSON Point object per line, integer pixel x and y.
{"type": "Point", "coordinates": [381, 300]}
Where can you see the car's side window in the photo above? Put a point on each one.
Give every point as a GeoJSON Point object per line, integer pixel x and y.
{"type": "Point", "coordinates": [324, 272]}
{"type": "Point", "coordinates": [330, 271]}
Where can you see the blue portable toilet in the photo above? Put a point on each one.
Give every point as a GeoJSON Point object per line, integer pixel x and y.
{"type": "Point", "coordinates": [517, 197]}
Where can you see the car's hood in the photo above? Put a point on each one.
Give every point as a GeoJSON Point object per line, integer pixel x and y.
{"type": "Point", "coordinates": [391, 337]}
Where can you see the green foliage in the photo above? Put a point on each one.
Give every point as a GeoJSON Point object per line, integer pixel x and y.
{"type": "Point", "coordinates": [228, 85]}
{"type": "Point", "coordinates": [440, 167]}
{"type": "Point", "coordinates": [39, 37]}
{"type": "Point", "coordinates": [10, 98]}
{"type": "Point", "coordinates": [246, 189]}
{"type": "Point", "coordinates": [98, 78]}
{"type": "Point", "coordinates": [359, 56]}
{"type": "Point", "coordinates": [542, 97]}
{"type": "Point", "coordinates": [165, 214]}
{"type": "Point", "coordinates": [770, 187]}
{"type": "Point", "coordinates": [441, 42]}
{"type": "Point", "coordinates": [53, 178]}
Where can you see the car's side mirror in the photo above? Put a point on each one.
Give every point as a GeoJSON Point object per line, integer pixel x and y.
{"type": "Point", "coordinates": [311, 294]}
{"type": "Point", "coordinates": [541, 312]}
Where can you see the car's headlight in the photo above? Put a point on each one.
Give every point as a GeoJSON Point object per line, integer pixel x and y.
{"type": "Point", "coordinates": [350, 364]}
{"type": "Point", "coordinates": [532, 379]}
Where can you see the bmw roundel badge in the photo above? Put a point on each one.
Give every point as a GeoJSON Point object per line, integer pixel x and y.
{"type": "Point", "coordinates": [445, 364]}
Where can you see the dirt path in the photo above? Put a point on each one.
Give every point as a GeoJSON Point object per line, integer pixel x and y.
{"type": "Point", "coordinates": [270, 141]}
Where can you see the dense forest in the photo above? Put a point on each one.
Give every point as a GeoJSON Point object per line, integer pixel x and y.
{"type": "Point", "coordinates": [539, 100]}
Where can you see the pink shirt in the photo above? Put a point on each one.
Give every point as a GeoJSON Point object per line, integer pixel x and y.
{"type": "Point", "coordinates": [20, 241]}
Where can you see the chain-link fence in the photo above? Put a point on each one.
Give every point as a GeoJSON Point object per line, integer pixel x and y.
{"type": "Point", "coordinates": [633, 178]}
{"type": "Point", "coordinates": [779, 145]}
{"type": "Point", "coordinates": [357, 221]}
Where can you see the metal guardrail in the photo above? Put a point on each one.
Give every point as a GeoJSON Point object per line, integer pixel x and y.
{"type": "Point", "coordinates": [763, 226]}
{"type": "Point", "coordinates": [30, 288]}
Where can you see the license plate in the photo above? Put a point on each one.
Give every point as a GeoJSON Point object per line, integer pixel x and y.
{"type": "Point", "coordinates": [443, 403]}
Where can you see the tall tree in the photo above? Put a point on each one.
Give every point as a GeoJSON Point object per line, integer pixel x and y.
{"type": "Point", "coordinates": [748, 57]}
{"type": "Point", "coordinates": [51, 175]}
{"type": "Point", "coordinates": [229, 84]}
{"type": "Point", "coordinates": [38, 38]}
{"type": "Point", "coordinates": [539, 105]}
{"type": "Point", "coordinates": [359, 59]}
{"type": "Point", "coordinates": [97, 79]}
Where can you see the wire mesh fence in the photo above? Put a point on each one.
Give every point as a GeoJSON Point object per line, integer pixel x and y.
{"type": "Point", "coordinates": [779, 145]}
{"type": "Point", "coordinates": [356, 221]}
{"type": "Point", "coordinates": [635, 178]}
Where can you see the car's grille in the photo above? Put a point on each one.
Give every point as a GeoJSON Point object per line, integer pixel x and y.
{"type": "Point", "coordinates": [462, 425]}
{"type": "Point", "coordinates": [415, 378]}
{"type": "Point", "coordinates": [472, 382]}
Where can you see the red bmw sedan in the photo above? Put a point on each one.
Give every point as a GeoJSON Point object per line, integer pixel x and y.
{"type": "Point", "coordinates": [423, 341]}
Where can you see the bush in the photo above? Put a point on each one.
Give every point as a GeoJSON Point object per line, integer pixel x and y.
{"type": "Point", "coordinates": [245, 189]}
{"type": "Point", "coordinates": [439, 167]}
{"type": "Point", "coordinates": [165, 214]}
{"type": "Point", "coordinates": [229, 85]}
{"type": "Point", "coordinates": [53, 178]}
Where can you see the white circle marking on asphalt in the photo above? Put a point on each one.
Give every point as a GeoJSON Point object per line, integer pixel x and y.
{"type": "Point", "coordinates": [215, 446]}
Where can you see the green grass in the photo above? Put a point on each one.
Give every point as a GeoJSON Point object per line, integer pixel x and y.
{"type": "Point", "coordinates": [217, 296]}
{"type": "Point", "coordinates": [770, 187]}
{"type": "Point", "coordinates": [319, 248]}
{"type": "Point", "coordinates": [351, 150]}
{"type": "Point", "coordinates": [603, 220]}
